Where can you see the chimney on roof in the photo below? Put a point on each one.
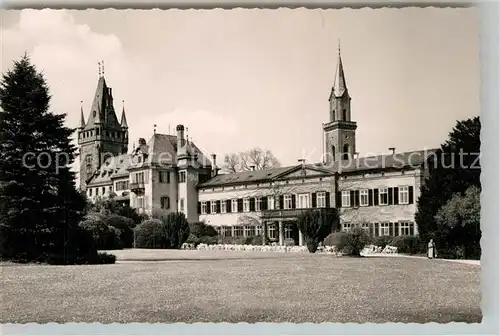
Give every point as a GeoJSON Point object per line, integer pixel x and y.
{"type": "Point", "coordinates": [303, 162]}
{"type": "Point", "coordinates": [393, 150]}
{"type": "Point", "coordinates": [180, 136]}
{"type": "Point", "coordinates": [214, 165]}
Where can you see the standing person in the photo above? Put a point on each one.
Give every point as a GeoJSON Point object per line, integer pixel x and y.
{"type": "Point", "coordinates": [431, 249]}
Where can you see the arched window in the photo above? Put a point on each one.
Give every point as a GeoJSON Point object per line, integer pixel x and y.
{"type": "Point", "coordinates": [344, 114]}
{"type": "Point", "coordinates": [333, 115]}
{"type": "Point", "coordinates": [333, 153]}
{"type": "Point", "coordinates": [345, 154]}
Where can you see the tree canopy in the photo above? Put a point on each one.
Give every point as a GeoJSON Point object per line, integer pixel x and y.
{"type": "Point", "coordinates": [255, 158]}
{"type": "Point", "coordinates": [39, 203]}
{"type": "Point", "coordinates": [454, 169]}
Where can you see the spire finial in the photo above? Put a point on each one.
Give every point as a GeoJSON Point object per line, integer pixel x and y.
{"type": "Point", "coordinates": [123, 105]}
{"type": "Point", "coordinates": [187, 136]}
{"type": "Point", "coordinates": [99, 67]}
{"type": "Point", "coordinates": [102, 67]}
{"type": "Point", "coordinates": [154, 129]}
{"type": "Point", "coordinates": [338, 45]}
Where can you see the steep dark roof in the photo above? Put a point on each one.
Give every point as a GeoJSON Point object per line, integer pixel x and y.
{"type": "Point", "coordinates": [102, 105]}
{"type": "Point", "coordinates": [247, 176]}
{"type": "Point", "coordinates": [113, 167]}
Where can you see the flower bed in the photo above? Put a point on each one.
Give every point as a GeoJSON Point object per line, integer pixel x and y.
{"type": "Point", "coordinates": [258, 248]}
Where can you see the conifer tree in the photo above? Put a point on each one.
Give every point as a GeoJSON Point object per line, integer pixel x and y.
{"type": "Point", "coordinates": [39, 202]}
{"type": "Point", "coordinates": [450, 172]}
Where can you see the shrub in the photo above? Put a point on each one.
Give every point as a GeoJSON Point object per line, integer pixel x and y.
{"type": "Point", "coordinates": [333, 239]}
{"type": "Point", "coordinates": [104, 236]}
{"type": "Point", "coordinates": [406, 244]}
{"type": "Point", "coordinates": [175, 229]}
{"type": "Point", "coordinates": [316, 225]}
{"type": "Point", "coordinates": [209, 240]}
{"type": "Point", "coordinates": [382, 241]}
{"type": "Point", "coordinates": [126, 227]}
{"type": "Point", "coordinates": [200, 229]}
{"type": "Point", "coordinates": [105, 258]}
{"type": "Point", "coordinates": [149, 234]}
{"type": "Point", "coordinates": [192, 239]}
{"type": "Point", "coordinates": [353, 242]}
{"type": "Point", "coordinates": [256, 240]}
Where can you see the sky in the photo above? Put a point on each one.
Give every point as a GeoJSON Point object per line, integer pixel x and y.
{"type": "Point", "coordinates": [244, 78]}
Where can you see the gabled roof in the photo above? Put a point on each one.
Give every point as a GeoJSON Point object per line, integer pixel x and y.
{"type": "Point", "coordinates": [256, 176]}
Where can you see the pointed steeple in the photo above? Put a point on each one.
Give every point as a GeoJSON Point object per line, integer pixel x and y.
{"type": "Point", "coordinates": [339, 84]}
{"type": "Point", "coordinates": [124, 118]}
{"type": "Point", "coordinates": [82, 118]}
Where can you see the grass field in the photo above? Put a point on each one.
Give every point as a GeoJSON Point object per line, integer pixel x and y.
{"type": "Point", "coordinates": [199, 286]}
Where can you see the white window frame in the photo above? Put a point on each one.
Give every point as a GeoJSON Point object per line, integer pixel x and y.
{"type": "Point", "coordinates": [384, 227]}
{"type": "Point", "coordinates": [258, 203]}
{"type": "Point", "coordinates": [234, 205]}
{"type": "Point", "coordinates": [181, 205]}
{"type": "Point", "coordinates": [383, 191]}
{"type": "Point", "coordinates": [141, 204]}
{"type": "Point", "coordinates": [346, 227]}
{"type": "Point", "coordinates": [238, 231]}
{"type": "Point", "coordinates": [271, 231]}
{"type": "Point", "coordinates": [288, 231]}
{"type": "Point", "coordinates": [346, 199]}
{"type": "Point", "coordinates": [287, 202]}
{"type": "Point", "coordinates": [223, 206]}
{"type": "Point", "coordinates": [213, 207]}
{"type": "Point", "coordinates": [246, 204]}
{"type": "Point", "coordinates": [304, 201]}
{"type": "Point", "coordinates": [182, 176]}
{"type": "Point", "coordinates": [258, 230]}
{"type": "Point", "coordinates": [270, 202]}
{"type": "Point", "coordinates": [404, 195]}
{"type": "Point", "coordinates": [363, 197]}
{"type": "Point", "coordinates": [204, 208]}
{"type": "Point", "coordinates": [321, 199]}
{"type": "Point", "coordinates": [249, 231]}
{"type": "Point", "coordinates": [404, 226]}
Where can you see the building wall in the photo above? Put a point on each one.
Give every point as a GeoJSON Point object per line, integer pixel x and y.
{"type": "Point", "coordinates": [164, 189]}
{"type": "Point", "coordinates": [381, 213]}
{"type": "Point", "coordinates": [259, 190]}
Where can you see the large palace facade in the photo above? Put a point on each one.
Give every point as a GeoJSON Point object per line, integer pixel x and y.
{"type": "Point", "coordinates": [169, 172]}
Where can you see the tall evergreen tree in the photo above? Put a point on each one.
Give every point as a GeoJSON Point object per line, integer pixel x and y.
{"type": "Point", "coordinates": [39, 202]}
{"type": "Point", "coordinates": [450, 173]}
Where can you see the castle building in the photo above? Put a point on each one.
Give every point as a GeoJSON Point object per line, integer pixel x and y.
{"type": "Point", "coordinates": [169, 172]}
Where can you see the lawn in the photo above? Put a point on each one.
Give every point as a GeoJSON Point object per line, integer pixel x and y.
{"type": "Point", "coordinates": [203, 286]}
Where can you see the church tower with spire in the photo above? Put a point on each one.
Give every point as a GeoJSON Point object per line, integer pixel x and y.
{"type": "Point", "coordinates": [340, 131]}
{"type": "Point", "coordinates": [102, 135]}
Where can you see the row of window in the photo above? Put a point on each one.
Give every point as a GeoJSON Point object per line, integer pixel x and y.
{"type": "Point", "coordinates": [375, 229]}
{"type": "Point", "coordinates": [109, 134]}
{"type": "Point", "coordinates": [99, 190]}
{"type": "Point", "coordinates": [249, 204]}
{"type": "Point", "coordinates": [165, 203]}
{"type": "Point", "coordinates": [382, 196]}
{"type": "Point", "coordinates": [384, 229]}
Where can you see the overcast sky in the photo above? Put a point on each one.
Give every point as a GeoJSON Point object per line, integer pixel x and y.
{"type": "Point", "coordinates": [244, 78]}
